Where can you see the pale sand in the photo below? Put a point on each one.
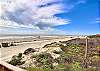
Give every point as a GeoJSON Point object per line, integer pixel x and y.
{"type": "Point", "coordinates": [8, 52]}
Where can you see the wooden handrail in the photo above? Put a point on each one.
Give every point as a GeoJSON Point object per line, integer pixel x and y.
{"type": "Point", "coordinates": [7, 67]}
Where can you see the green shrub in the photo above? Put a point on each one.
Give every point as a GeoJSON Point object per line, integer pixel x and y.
{"type": "Point", "coordinates": [65, 58]}
{"type": "Point", "coordinates": [91, 69]}
{"type": "Point", "coordinates": [74, 48]}
{"type": "Point", "coordinates": [60, 67]}
{"type": "Point", "coordinates": [34, 69]}
{"type": "Point", "coordinates": [46, 59]}
{"type": "Point", "coordinates": [16, 60]}
{"type": "Point", "coordinates": [92, 36]}
{"type": "Point", "coordinates": [34, 56]}
{"type": "Point", "coordinates": [64, 48]}
{"type": "Point", "coordinates": [39, 69]}
{"type": "Point", "coordinates": [76, 67]}
{"type": "Point", "coordinates": [70, 55]}
{"type": "Point", "coordinates": [20, 55]}
{"type": "Point", "coordinates": [69, 67]}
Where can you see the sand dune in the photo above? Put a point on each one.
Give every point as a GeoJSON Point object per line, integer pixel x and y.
{"type": "Point", "coordinates": [8, 52]}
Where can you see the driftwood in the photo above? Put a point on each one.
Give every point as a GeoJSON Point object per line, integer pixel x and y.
{"type": "Point", "coordinates": [5, 44]}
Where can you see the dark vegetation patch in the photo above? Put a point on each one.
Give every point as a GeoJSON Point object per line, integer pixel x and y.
{"type": "Point", "coordinates": [16, 60]}
{"type": "Point", "coordinates": [54, 44]}
{"type": "Point", "coordinates": [75, 52]}
{"type": "Point", "coordinates": [29, 50]}
{"type": "Point", "coordinates": [94, 36]}
{"type": "Point", "coordinates": [57, 52]}
{"type": "Point", "coordinates": [44, 60]}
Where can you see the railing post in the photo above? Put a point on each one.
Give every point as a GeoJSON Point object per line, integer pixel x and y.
{"type": "Point", "coordinates": [86, 48]}
{"type": "Point", "coordinates": [86, 51]}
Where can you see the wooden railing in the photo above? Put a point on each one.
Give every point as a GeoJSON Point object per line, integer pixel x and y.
{"type": "Point", "coordinates": [7, 67]}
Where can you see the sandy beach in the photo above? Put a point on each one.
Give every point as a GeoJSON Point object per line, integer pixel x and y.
{"type": "Point", "coordinates": [29, 42]}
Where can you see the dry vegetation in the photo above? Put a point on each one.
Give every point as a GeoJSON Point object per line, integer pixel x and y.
{"type": "Point", "coordinates": [62, 56]}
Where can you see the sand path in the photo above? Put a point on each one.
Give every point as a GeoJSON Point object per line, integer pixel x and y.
{"type": "Point", "coordinates": [7, 53]}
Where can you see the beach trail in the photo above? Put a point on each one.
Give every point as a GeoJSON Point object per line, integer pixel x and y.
{"type": "Point", "coordinates": [8, 52]}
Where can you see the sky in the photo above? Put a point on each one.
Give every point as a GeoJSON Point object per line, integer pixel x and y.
{"type": "Point", "coordinates": [50, 17]}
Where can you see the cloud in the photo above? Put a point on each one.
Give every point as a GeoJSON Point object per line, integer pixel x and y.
{"type": "Point", "coordinates": [29, 12]}
{"type": "Point", "coordinates": [36, 14]}
{"type": "Point", "coordinates": [95, 21]}
{"type": "Point", "coordinates": [9, 27]}
{"type": "Point", "coordinates": [7, 23]}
